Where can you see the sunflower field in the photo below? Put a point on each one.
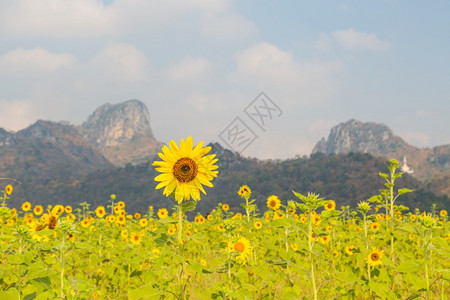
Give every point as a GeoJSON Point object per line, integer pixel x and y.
{"type": "Point", "coordinates": [301, 248]}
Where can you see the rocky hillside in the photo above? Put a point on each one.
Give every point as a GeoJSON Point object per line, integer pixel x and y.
{"type": "Point", "coordinates": [122, 132]}
{"type": "Point", "coordinates": [428, 164]}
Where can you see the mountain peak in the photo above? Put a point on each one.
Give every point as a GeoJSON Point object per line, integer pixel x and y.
{"type": "Point", "coordinates": [122, 131]}
{"type": "Point", "coordinates": [112, 125]}
{"type": "Point", "coordinates": [356, 136]}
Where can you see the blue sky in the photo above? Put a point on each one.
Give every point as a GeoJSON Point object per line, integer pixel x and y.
{"type": "Point", "coordinates": [197, 64]}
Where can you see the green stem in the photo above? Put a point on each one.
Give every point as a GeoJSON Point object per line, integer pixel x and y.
{"type": "Point", "coordinates": [62, 262]}
{"type": "Point", "coordinates": [310, 244]}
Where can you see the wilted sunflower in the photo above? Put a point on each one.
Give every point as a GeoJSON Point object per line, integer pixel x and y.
{"type": "Point", "coordinates": [374, 257]}
{"type": "Point", "coordinates": [273, 202]}
{"type": "Point", "coordinates": [185, 170]}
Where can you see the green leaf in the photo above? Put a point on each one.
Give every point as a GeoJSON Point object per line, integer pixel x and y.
{"type": "Point", "coordinates": [380, 289]}
{"type": "Point", "coordinates": [291, 295]}
{"type": "Point", "coordinates": [376, 199]}
{"type": "Point", "coordinates": [249, 287]}
{"type": "Point", "coordinates": [409, 266]}
{"type": "Point", "coordinates": [283, 223]}
{"type": "Point", "coordinates": [404, 191]}
{"type": "Point", "coordinates": [299, 196]}
{"type": "Point", "coordinates": [384, 175]}
{"type": "Point", "coordinates": [303, 207]}
{"type": "Point", "coordinates": [37, 270]}
{"type": "Point", "coordinates": [188, 206]}
{"type": "Point", "coordinates": [80, 245]}
{"type": "Point", "coordinates": [144, 292]}
{"type": "Point", "coordinates": [11, 294]}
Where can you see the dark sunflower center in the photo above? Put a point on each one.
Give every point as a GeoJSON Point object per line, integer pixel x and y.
{"type": "Point", "coordinates": [374, 256]}
{"type": "Point", "coordinates": [185, 169]}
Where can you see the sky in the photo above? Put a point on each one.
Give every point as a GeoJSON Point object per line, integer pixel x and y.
{"type": "Point", "coordinates": [265, 78]}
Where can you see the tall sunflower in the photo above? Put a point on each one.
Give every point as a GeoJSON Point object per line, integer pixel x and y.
{"type": "Point", "coordinates": [185, 170]}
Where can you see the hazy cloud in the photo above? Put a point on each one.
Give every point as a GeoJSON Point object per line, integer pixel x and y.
{"type": "Point", "coordinates": [33, 62]}
{"type": "Point", "coordinates": [266, 67]}
{"type": "Point", "coordinates": [121, 61]}
{"type": "Point", "coordinates": [18, 114]}
{"type": "Point", "coordinates": [227, 27]}
{"type": "Point", "coordinates": [356, 40]}
{"type": "Point", "coordinates": [188, 69]}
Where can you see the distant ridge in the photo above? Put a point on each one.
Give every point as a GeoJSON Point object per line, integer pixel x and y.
{"type": "Point", "coordinates": [379, 140]}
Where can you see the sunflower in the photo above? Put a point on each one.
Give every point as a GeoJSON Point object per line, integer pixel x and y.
{"type": "Point", "coordinates": [374, 257]}
{"type": "Point", "coordinates": [349, 249]}
{"type": "Point", "coordinates": [325, 239]}
{"type": "Point", "coordinates": [375, 226]}
{"type": "Point", "coordinates": [100, 211]}
{"type": "Point", "coordinates": [143, 222]}
{"type": "Point", "coordinates": [225, 207]}
{"type": "Point", "coordinates": [331, 205]}
{"type": "Point", "coordinates": [443, 213]}
{"type": "Point", "coordinates": [185, 170]}
{"type": "Point", "coordinates": [200, 219]}
{"type": "Point", "coordinates": [273, 202]}
{"type": "Point", "coordinates": [85, 223]}
{"type": "Point", "coordinates": [135, 238]}
{"type": "Point", "coordinates": [162, 213]}
{"type": "Point", "coordinates": [26, 206]}
{"type": "Point", "coordinates": [9, 189]}
{"type": "Point", "coordinates": [241, 247]}
{"type": "Point", "coordinates": [68, 209]}
{"type": "Point", "coordinates": [171, 231]}
{"type": "Point", "coordinates": [258, 225]}
{"type": "Point", "coordinates": [38, 210]}
{"type": "Point", "coordinates": [137, 216]}
{"type": "Point", "coordinates": [244, 191]}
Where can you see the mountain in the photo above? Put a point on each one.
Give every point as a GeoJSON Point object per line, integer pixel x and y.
{"type": "Point", "coordinates": [122, 132]}
{"type": "Point", "coordinates": [347, 179]}
{"type": "Point", "coordinates": [428, 164]}
{"type": "Point", "coordinates": [47, 154]}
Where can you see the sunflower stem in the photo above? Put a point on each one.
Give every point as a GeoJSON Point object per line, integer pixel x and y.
{"type": "Point", "coordinates": [310, 244]}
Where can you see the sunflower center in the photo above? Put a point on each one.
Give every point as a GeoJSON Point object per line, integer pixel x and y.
{"type": "Point", "coordinates": [374, 257]}
{"type": "Point", "coordinates": [185, 169]}
{"type": "Point", "coordinates": [239, 247]}
{"type": "Point", "coordinates": [273, 203]}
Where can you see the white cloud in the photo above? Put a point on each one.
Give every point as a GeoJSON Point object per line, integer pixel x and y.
{"type": "Point", "coordinates": [120, 61]}
{"type": "Point", "coordinates": [268, 68]}
{"type": "Point", "coordinates": [356, 40]}
{"type": "Point", "coordinates": [17, 114]}
{"type": "Point", "coordinates": [91, 18]}
{"type": "Point", "coordinates": [227, 27]}
{"type": "Point", "coordinates": [56, 18]}
{"type": "Point", "coordinates": [21, 62]}
{"type": "Point", "coordinates": [188, 69]}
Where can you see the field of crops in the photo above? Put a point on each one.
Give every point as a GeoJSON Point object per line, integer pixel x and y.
{"type": "Point", "coordinates": [307, 248]}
